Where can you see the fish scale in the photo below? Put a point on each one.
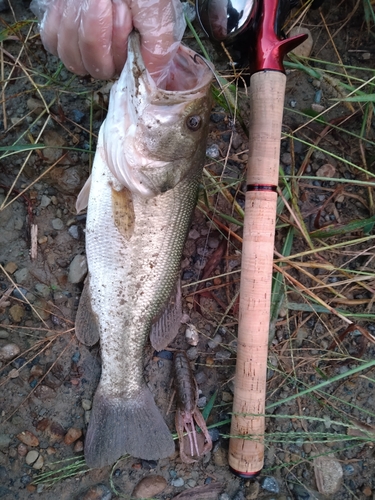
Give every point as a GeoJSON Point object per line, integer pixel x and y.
{"type": "Point", "coordinates": [142, 192]}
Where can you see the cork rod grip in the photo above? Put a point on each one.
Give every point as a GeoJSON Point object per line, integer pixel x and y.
{"type": "Point", "coordinates": [246, 455]}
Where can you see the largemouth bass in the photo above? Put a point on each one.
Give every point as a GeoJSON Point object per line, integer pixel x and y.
{"type": "Point", "coordinates": [144, 183]}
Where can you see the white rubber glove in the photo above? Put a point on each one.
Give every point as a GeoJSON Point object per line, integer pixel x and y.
{"type": "Point", "coordinates": [90, 36]}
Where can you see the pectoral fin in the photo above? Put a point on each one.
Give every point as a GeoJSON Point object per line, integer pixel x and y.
{"type": "Point", "coordinates": [86, 326]}
{"type": "Point", "coordinates": [123, 211]}
{"type": "Point", "coordinates": [83, 197]}
{"type": "Point", "coordinates": [165, 327]}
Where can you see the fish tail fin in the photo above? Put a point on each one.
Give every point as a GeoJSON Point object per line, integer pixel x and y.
{"type": "Point", "coordinates": [121, 426]}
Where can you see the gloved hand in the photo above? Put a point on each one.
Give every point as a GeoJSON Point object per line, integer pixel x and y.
{"type": "Point", "coordinates": [90, 36]}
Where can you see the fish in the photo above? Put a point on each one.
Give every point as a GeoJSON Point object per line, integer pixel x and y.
{"type": "Point", "coordinates": [141, 196]}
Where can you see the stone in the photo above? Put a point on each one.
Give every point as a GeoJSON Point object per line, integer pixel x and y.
{"type": "Point", "coordinates": [39, 463]}
{"type": "Point", "coordinates": [22, 450]}
{"type": "Point", "coordinates": [326, 170]}
{"type": "Point", "coordinates": [28, 438]}
{"type": "Point", "coordinates": [77, 269]}
{"type": "Point", "coordinates": [86, 404]}
{"type": "Point", "coordinates": [328, 475]}
{"type": "Point", "coordinates": [72, 435]}
{"type": "Point", "coordinates": [45, 201]}
{"type": "Point", "coordinates": [98, 492]}
{"type": "Point", "coordinates": [78, 446]}
{"type": "Point", "coordinates": [41, 309]}
{"type": "Point", "coordinates": [43, 290]}
{"type": "Point", "coordinates": [31, 457]}
{"type": "Point", "coordinates": [305, 48]}
{"type": "Point", "coordinates": [21, 275]}
{"type": "Point", "coordinates": [16, 313]}
{"type": "Point", "coordinates": [4, 441]}
{"type": "Point", "coordinates": [177, 482]}
{"type": "Point", "coordinates": [11, 267]}
{"type": "Point", "coordinates": [149, 486]}
{"type": "Point", "coordinates": [269, 483]}
{"type": "Point", "coordinates": [57, 224]}
{"type": "Point", "coordinates": [9, 351]}
{"type": "Point", "coordinates": [4, 334]}
{"type": "Point", "coordinates": [214, 342]}
{"type": "Point", "coordinates": [74, 232]}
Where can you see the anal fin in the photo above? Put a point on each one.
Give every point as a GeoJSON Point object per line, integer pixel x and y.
{"type": "Point", "coordinates": [165, 328]}
{"type": "Point", "coordinates": [86, 325]}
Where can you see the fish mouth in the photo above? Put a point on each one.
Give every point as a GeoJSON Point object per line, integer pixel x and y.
{"type": "Point", "coordinates": [147, 146]}
{"type": "Point", "coordinates": [187, 76]}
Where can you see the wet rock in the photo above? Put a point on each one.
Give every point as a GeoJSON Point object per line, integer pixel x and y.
{"type": "Point", "coordinates": [269, 483]}
{"type": "Point", "coordinates": [11, 267]}
{"type": "Point", "coordinates": [98, 492]}
{"type": "Point", "coordinates": [31, 457]}
{"type": "Point", "coordinates": [28, 438]}
{"type": "Point", "coordinates": [16, 312]}
{"type": "Point", "coordinates": [21, 275]}
{"type": "Point", "coordinates": [149, 486]}
{"type": "Point", "coordinates": [9, 351]}
{"type": "Point", "coordinates": [177, 482]}
{"type": "Point", "coordinates": [4, 441]}
{"type": "Point", "coordinates": [328, 475]}
{"type": "Point", "coordinates": [77, 269]}
{"type": "Point", "coordinates": [72, 435]}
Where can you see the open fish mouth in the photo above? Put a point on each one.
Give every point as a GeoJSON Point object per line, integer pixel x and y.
{"type": "Point", "coordinates": [151, 128]}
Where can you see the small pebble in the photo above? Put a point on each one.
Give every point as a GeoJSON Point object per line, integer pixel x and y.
{"type": "Point", "coordinates": [28, 438]}
{"type": "Point", "coordinates": [78, 116]}
{"type": "Point", "coordinates": [74, 232]}
{"type": "Point", "coordinates": [22, 450]}
{"type": "Point", "coordinates": [214, 342]}
{"type": "Point", "coordinates": [303, 49]}
{"type": "Point", "coordinates": [43, 290]}
{"type": "Point", "coordinates": [11, 267]}
{"type": "Point", "coordinates": [326, 170]}
{"type": "Point", "coordinates": [4, 334]}
{"type": "Point", "coordinates": [57, 224]}
{"type": "Point", "coordinates": [98, 492]}
{"type": "Point", "coordinates": [78, 447]}
{"type": "Point", "coordinates": [72, 435]}
{"type": "Point", "coordinates": [367, 491]}
{"type": "Point", "coordinates": [213, 151]}
{"type": "Point", "coordinates": [178, 482]}
{"type": "Point", "coordinates": [269, 483]}
{"type": "Point", "coordinates": [191, 335]}
{"type": "Point", "coordinates": [39, 463]}
{"type": "Point", "coordinates": [16, 313]}
{"type": "Point", "coordinates": [4, 441]}
{"type": "Point", "coordinates": [202, 401]}
{"type": "Point", "coordinates": [86, 404]}
{"type": "Point", "coordinates": [45, 201]}
{"type": "Point", "coordinates": [328, 475]}
{"type": "Point", "coordinates": [31, 457]}
{"type": "Point", "coordinates": [215, 434]}
{"type": "Point", "coordinates": [149, 486]}
{"type": "Point", "coordinates": [9, 351]}
{"type": "Point", "coordinates": [77, 269]}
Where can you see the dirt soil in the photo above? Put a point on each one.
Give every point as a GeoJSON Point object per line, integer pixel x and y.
{"type": "Point", "coordinates": [48, 379]}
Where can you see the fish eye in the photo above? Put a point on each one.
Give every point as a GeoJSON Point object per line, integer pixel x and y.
{"type": "Point", "coordinates": [194, 122]}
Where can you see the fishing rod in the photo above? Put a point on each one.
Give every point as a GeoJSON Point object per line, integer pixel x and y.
{"type": "Point", "coordinates": [256, 26]}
